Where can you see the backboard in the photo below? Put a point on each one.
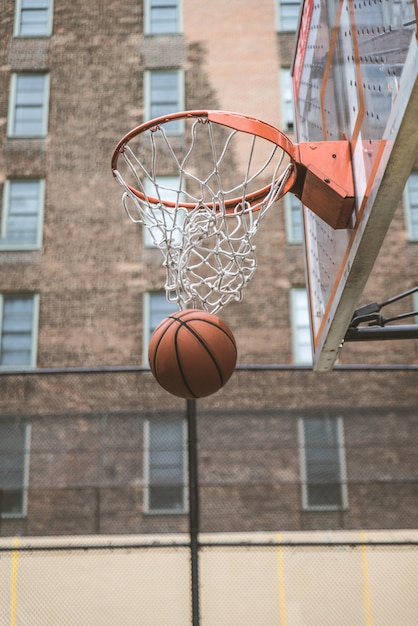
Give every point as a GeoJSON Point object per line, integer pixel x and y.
{"type": "Point", "coordinates": [355, 76]}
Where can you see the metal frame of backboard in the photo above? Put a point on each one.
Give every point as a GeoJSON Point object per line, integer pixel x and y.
{"type": "Point", "coordinates": [338, 263]}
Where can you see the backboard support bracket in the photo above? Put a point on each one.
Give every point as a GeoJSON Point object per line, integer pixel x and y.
{"type": "Point", "coordinates": [382, 333]}
{"type": "Point", "coordinates": [376, 328]}
{"type": "Point", "coordinates": [324, 181]}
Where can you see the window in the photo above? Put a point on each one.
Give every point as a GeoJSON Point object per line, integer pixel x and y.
{"type": "Point", "coordinates": [288, 15]}
{"type": "Point", "coordinates": [28, 110]}
{"type": "Point", "coordinates": [165, 466]}
{"type": "Point", "coordinates": [164, 94]}
{"type": "Point", "coordinates": [153, 234]}
{"type": "Point", "coordinates": [19, 324]}
{"type": "Point", "coordinates": [323, 466]}
{"type": "Point", "coordinates": [294, 222]}
{"type": "Point", "coordinates": [21, 226]}
{"type": "Point", "coordinates": [33, 18]}
{"type": "Point", "coordinates": [14, 457]}
{"type": "Point", "coordinates": [156, 308]}
{"type": "Point", "coordinates": [301, 333]}
{"type": "Point", "coordinates": [162, 16]}
{"type": "Point", "coordinates": [411, 206]}
{"type": "Point", "coordinates": [286, 95]}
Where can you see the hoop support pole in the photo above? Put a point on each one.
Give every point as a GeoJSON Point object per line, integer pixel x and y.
{"type": "Point", "coordinates": [379, 333]}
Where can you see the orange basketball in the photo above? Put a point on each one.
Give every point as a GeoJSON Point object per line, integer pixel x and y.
{"type": "Point", "coordinates": [192, 353]}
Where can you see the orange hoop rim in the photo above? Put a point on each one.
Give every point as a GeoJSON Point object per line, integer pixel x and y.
{"type": "Point", "coordinates": [236, 121]}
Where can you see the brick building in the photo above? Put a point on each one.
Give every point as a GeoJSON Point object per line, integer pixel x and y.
{"type": "Point", "coordinates": [100, 447]}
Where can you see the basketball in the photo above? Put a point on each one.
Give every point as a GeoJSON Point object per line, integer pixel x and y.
{"type": "Point", "coordinates": [192, 353]}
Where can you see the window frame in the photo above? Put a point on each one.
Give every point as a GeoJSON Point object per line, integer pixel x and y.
{"type": "Point", "coordinates": [149, 189]}
{"type": "Point", "coordinates": [290, 208]}
{"type": "Point", "coordinates": [286, 100]}
{"type": "Point", "coordinates": [147, 330]}
{"type": "Point", "coordinates": [25, 482]}
{"type": "Point", "coordinates": [5, 244]}
{"type": "Point", "coordinates": [409, 206]}
{"type": "Point", "coordinates": [342, 468]}
{"type": "Point", "coordinates": [415, 308]}
{"type": "Point", "coordinates": [173, 128]}
{"type": "Point", "coordinates": [295, 327]}
{"type": "Point", "coordinates": [279, 16]}
{"type": "Point", "coordinates": [34, 330]}
{"type": "Point", "coordinates": [148, 22]}
{"type": "Point", "coordinates": [17, 32]}
{"type": "Point", "coordinates": [11, 120]}
{"type": "Point", "coordinates": [146, 469]}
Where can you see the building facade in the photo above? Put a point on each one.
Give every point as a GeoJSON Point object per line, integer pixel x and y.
{"type": "Point", "coordinates": [97, 446]}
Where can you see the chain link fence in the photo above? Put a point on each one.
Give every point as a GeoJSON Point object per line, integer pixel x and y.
{"type": "Point", "coordinates": [287, 498]}
{"type": "Point", "coordinates": [346, 579]}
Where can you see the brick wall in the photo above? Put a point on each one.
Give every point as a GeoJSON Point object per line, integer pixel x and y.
{"type": "Point", "coordinates": [91, 274]}
{"type": "Point", "coordinates": [86, 471]}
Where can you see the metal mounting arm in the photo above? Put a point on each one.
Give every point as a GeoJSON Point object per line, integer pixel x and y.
{"type": "Point", "coordinates": [324, 181]}
{"type": "Point", "coordinates": [376, 328]}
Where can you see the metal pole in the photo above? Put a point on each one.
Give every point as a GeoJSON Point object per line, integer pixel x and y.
{"type": "Point", "coordinates": [373, 333]}
{"type": "Point", "coordinates": [193, 507]}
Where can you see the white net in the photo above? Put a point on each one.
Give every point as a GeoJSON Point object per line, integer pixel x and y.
{"type": "Point", "coordinates": [204, 224]}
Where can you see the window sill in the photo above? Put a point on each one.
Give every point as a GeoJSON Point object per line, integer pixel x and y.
{"type": "Point", "coordinates": [325, 509]}
{"type": "Point", "coordinates": [9, 247]}
{"type": "Point", "coordinates": [165, 512]}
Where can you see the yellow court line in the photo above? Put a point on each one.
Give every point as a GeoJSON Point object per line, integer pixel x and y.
{"type": "Point", "coordinates": [280, 573]}
{"type": "Point", "coordinates": [13, 582]}
{"type": "Point", "coordinates": [366, 581]}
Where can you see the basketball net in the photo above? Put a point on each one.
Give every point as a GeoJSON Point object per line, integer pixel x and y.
{"type": "Point", "coordinates": [204, 225]}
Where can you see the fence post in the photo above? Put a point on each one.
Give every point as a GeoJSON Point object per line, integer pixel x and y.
{"type": "Point", "coordinates": [193, 507]}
